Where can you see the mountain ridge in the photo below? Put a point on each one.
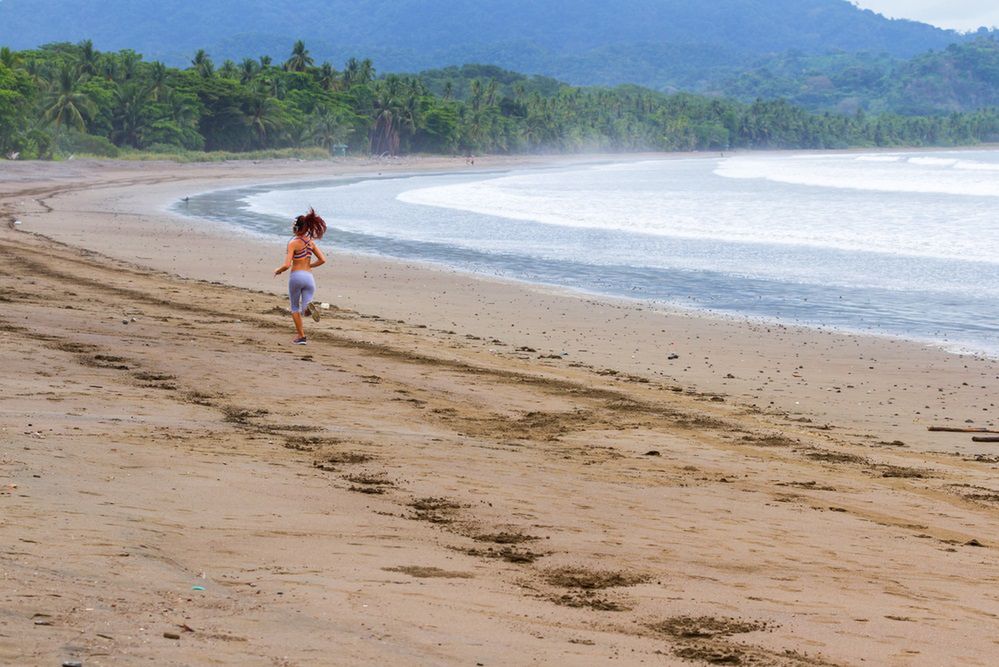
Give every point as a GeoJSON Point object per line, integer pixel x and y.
{"type": "Point", "coordinates": [663, 44]}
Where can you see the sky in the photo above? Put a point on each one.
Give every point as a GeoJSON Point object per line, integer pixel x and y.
{"type": "Point", "coordinates": [956, 14]}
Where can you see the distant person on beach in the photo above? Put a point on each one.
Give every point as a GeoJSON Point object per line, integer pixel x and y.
{"type": "Point", "coordinates": [308, 229]}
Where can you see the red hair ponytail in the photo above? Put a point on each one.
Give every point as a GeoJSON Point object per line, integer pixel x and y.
{"type": "Point", "coordinates": [311, 224]}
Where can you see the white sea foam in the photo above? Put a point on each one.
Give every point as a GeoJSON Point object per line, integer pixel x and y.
{"type": "Point", "coordinates": [920, 174]}
{"type": "Point", "coordinates": [638, 165]}
{"type": "Point", "coordinates": [653, 204]}
{"type": "Point", "coordinates": [878, 158]}
{"type": "Point", "coordinates": [933, 161]}
{"type": "Point", "coordinates": [973, 165]}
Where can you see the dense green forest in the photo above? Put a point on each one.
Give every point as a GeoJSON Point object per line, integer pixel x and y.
{"type": "Point", "coordinates": [666, 45]}
{"type": "Point", "coordinates": [963, 76]}
{"type": "Point", "coordinates": [70, 98]}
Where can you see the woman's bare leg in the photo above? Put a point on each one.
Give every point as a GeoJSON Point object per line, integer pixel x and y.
{"type": "Point", "coordinates": [298, 324]}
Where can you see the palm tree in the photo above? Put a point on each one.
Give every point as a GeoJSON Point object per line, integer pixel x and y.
{"type": "Point", "coordinates": [416, 87]}
{"type": "Point", "coordinates": [264, 116]}
{"type": "Point", "coordinates": [366, 73]}
{"type": "Point", "coordinates": [183, 111]}
{"type": "Point", "coordinates": [248, 69]}
{"type": "Point", "coordinates": [158, 79]}
{"type": "Point", "coordinates": [475, 94]}
{"type": "Point", "coordinates": [109, 67]}
{"type": "Point", "coordinates": [300, 59]}
{"type": "Point", "coordinates": [40, 73]}
{"type": "Point", "coordinates": [203, 65]}
{"type": "Point", "coordinates": [384, 135]}
{"type": "Point", "coordinates": [129, 61]}
{"type": "Point", "coordinates": [265, 62]}
{"type": "Point", "coordinates": [65, 103]}
{"type": "Point", "coordinates": [394, 111]}
{"type": "Point", "coordinates": [350, 72]}
{"type": "Point", "coordinates": [272, 86]}
{"type": "Point", "coordinates": [329, 80]}
{"type": "Point", "coordinates": [533, 130]}
{"type": "Point", "coordinates": [229, 70]}
{"type": "Point", "coordinates": [130, 113]}
{"type": "Point", "coordinates": [8, 58]}
{"type": "Point", "coordinates": [88, 58]}
{"type": "Point", "coordinates": [328, 129]}
{"type": "Point", "coordinates": [358, 72]}
{"type": "Point", "coordinates": [491, 88]}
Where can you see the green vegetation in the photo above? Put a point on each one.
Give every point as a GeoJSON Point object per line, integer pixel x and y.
{"type": "Point", "coordinates": [962, 77]}
{"type": "Point", "coordinates": [72, 99]}
{"type": "Point", "coordinates": [661, 44]}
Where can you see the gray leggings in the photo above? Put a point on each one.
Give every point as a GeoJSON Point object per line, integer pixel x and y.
{"type": "Point", "coordinates": [301, 289]}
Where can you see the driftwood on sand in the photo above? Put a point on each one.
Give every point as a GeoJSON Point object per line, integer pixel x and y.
{"type": "Point", "coordinates": [959, 429]}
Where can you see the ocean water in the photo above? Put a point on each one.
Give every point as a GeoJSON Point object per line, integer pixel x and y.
{"type": "Point", "coordinates": [902, 244]}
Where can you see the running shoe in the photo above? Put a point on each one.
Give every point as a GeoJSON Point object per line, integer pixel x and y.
{"type": "Point", "coordinates": [313, 309]}
{"type": "Point", "coordinates": [300, 341]}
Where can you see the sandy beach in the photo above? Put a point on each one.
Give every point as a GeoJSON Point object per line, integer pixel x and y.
{"type": "Point", "coordinates": [482, 472]}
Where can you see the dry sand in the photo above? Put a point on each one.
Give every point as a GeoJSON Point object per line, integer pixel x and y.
{"type": "Point", "coordinates": [484, 472]}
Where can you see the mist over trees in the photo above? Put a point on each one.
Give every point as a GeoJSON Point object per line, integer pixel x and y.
{"type": "Point", "coordinates": [230, 75]}
{"type": "Point", "coordinates": [71, 98]}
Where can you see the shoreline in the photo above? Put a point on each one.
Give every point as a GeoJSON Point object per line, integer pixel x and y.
{"type": "Point", "coordinates": [453, 489]}
{"type": "Point", "coordinates": [677, 308]}
{"type": "Point", "coordinates": [456, 301]}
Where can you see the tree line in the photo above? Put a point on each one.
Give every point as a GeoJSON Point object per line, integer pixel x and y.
{"type": "Point", "coordinates": [70, 98]}
{"type": "Point", "coordinates": [961, 77]}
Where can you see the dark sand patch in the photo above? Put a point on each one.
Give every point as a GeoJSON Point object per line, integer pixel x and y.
{"type": "Point", "coordinates": [509, 554]}
{"type": "Point", "coordinates": [422, 572]}
{"type": "Point", "coordinates": [369, 479]}
{"type": "Point", "coordinates": [810, 485]}
{"type": "Point", "coordinates": [770, 440]}
{"type": "Point", "coordinates": [586, 579]}
{"type": "Point", "coordinates": [329, 462]}
{"type": "Point", "coordinates": [434, 510]}
{"type": "Point", "coordinates": [236, 415]}
{"type": "Point", "coordinates": [902, 472]}
{"type": "Point", "coordinates": [978, 494]}
{"type": "Point", "coordinates": [589, 600]}
{"type": "Point", "coordinates": [371, 490]}
{"type": "Point", "coordinates": [310, 443]}
{"type": "Point", "coordinates": [504, 538]}
{"type": "Point", "coordinates": [833, 457]}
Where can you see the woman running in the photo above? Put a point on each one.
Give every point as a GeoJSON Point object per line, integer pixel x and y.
{"type": "Point", "coordinates": [308, 229]}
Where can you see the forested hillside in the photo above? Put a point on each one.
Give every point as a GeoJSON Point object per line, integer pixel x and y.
{"type": "Point", "coordinates": [959, 78]}
{"type": "Point", "coordinates": [73, 99]}
{"type": "Point", "coordinates": [663, 44]}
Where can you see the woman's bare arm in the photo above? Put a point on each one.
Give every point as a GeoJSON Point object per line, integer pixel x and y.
{"type": "Point", "coordinates": [287, 260]}
{"type": "Point", "coordinates": [320, 257]}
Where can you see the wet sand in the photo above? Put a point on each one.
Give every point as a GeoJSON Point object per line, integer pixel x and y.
{"type": "Point", "coordinates": [485, 472]}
